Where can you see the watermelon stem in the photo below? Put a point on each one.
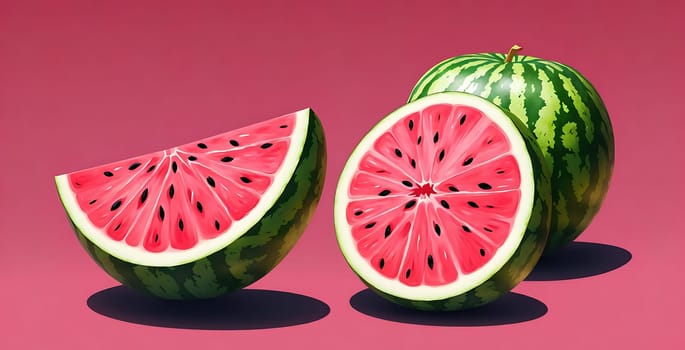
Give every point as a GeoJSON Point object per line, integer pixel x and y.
{"type": "Point", "coordinates": [512, 52]}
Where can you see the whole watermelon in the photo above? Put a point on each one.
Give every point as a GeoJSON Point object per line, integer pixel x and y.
{"type": "Point", "coordinates": [564, 112]}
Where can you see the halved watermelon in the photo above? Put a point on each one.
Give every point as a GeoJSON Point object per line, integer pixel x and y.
{"type": "Point", "coordinates": [204, 218]}
{"type": "Point", "coordinates": [444, 204]}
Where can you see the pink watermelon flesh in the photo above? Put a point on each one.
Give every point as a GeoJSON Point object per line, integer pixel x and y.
{"type": "Point", "coordinates": [175, 198]}
{"type": "Point", "coordinates": [445, 157]}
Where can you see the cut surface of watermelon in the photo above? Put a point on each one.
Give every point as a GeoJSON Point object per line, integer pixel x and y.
{"type": "Point", "coordinates": [437, 198]}
{"type": "Point", "coordinates": [174, 206]}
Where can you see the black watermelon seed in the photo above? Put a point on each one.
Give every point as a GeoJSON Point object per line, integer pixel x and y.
{"type": "Point", "coordinates": [143, 196]}
{"type": "Point", "coordinates": [489, 142]}
{"type": "Point", "coordinates": [234, 143]}
{"type": "Point", "coordinates": [418, 141]}
{"type": "Point", "coordinates": [180, 224]}
{"type": "Point", "coordinates": [283, 126]}
{"type": "Point", "coordinates": [134, 166]}
{"type": "Point", "coordinates": [445, 204]}
{"type": "Point", "coordinates": [485, 186]}
{"type": "Point", "coordinates": [384, 193]}
{"type": "Point", "coordinates": [217, 225]}
{"type": "Point", "coordinates": [161, 213]}
{"type": "Point", "coordinates": [439, 116]}
{"type": "Point", "coordinates": [118, 226]}
{"type": "Point", "coordinates": [202, 145]}
{"type": "Point", "coordinates": [435, 137]}
{"type": "Point", "coordinates": [174, 167]}
{"type": "Point", "coordinates": [413, 164]}
{"type": "Point", "coordinates": [442, 155]}
{"type": "Point", "coordinates": [266, 145]}
{"type": "Point", "coordinates": [108, 173]}
{"type": "Point", "coordinates": [398, 152]}
{"type": "Point", "coordinates": [358, 212]}
{"type": "Point", "coordinates": [210, 181]}
{"type": "Point", "coordinates": [437, 229]}
{"type": "Point", "coordinates": [92, 202]}
{"type": "Point", "coordinates": [406, 275]}
{"type": "Point", "coordinates": [462, 119]}
{"type": "Point", "coordinates": [370, 225]}
{"type": "Point", "coordinates": [151, 168]}
{"type": "Point", "coordinates": [115, 205]}
{"type": "Point", "coordinates": [430, 262]}
{"type": "Point", "coordinates": [245, 179]}
{"type": "Point", "coordinates": [465, 228]}
{"type": "Point", "coordinates": [226, 159]}
{"type": "Point", "coordinates": [500, 171]}
{"type": "Point", "coordinates": [482, 252]}
{"type": "Point", "coordinates": [468, 161]}
{"type": "Point", "coordinates": [472, 204]}
{"type": "Point", "coordinates": [411, 125]}
{"type": "Point", "coordinates": [487, 229]}
{"type": "Point", "coordinates": [453, 189]}
{"type": "Point", "coordinates": [489, 206]}
{"type": "Point", "coordinates": [381, 263]}
{"type": "Point", "coordinates": [156, 238]}
{"type": "Point", "coordinates": [410, 204]}
{"type": "Point", "coordinates": [199, 206]}
{"type": "Point", "coordinates": [407, 183]}
{"type": "Point", "coordinates": [171, 191]}
{"type": "Point", "coordinates": [388, 231]}
{"type": "Point", "coordinates": [192, 158]}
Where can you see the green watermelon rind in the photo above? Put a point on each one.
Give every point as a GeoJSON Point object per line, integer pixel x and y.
{"type": "Point", "coordinates": [521, 262]}
{"type": "Point", "coordinates": [582, 171]}
{"type": "Point", "coordinates": [248, 258]}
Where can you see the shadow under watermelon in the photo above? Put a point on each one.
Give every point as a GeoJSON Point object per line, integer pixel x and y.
{"type": "Point", "coordinates": [241, 310]}
{"type": "Point", "coordinates": [579, 260]}
{"type": "Point", "coordinates": [509, 309]}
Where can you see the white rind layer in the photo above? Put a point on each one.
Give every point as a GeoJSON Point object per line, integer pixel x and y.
{"type": "Point", "coordinates": [174, 257]}
{"type": "Point", "coordinates": [465, 282]}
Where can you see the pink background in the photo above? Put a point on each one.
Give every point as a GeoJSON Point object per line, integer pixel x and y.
{"type": "Point", "coordinates": [84, 83]}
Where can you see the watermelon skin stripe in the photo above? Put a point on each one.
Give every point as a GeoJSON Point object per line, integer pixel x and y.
{"type": "Point", "coordinates": [522, 260]}
{"type": "Point", "coordinates": [248, 258]}
{"type": "Point", "coordinates": [564, 112]}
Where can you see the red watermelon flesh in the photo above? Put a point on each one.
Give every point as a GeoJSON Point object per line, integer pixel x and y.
{"type": "Point", "coordinates": [435, 197]}
{"type": "Point", "coordinates": [176, 198]}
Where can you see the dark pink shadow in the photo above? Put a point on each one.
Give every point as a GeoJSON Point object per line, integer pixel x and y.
{"type": "Point", "coordinates": [509, 309]}
{"type": "Point", "coordinates": [241, 310]}
{"type": "Point", "coordinates": [579, 260]}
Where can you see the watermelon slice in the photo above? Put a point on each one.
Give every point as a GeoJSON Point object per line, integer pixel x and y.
{"type": "Point", "coordinates": [444, 204]}
{"type": "Point", "coordinates": [204, 218]}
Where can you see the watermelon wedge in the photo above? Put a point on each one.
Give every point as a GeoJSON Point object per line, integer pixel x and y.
{"type": "Point", "coordinates": [204, 218]}
{"type": "Point", "coordinates": [445, 204]}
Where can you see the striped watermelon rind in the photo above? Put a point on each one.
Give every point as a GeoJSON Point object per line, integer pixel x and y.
{"type": "Point", "coordinates": [518, 266]}
{"type": "Point", "coordinates": [562, 109]}
{"type": "Point", "coordinates": [249, 257]}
